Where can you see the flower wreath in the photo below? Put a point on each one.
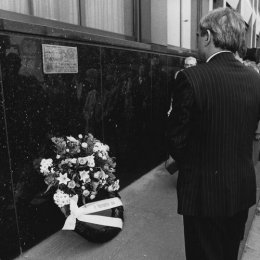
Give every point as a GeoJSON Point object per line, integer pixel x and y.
{"type": "Point", "coordinates": [82, 173]}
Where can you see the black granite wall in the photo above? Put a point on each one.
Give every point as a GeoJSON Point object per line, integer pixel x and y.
{"type": "Point", "coordinates": [119, 95]}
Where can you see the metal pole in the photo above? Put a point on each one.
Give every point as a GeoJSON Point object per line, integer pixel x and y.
{"type": "Point", "coordinates": [136, 20]}
{"type": "Point", "coordinates": [180, 23]}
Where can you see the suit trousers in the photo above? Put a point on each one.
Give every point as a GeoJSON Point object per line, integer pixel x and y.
{"type": "Point", "coordinates": [214, 238]}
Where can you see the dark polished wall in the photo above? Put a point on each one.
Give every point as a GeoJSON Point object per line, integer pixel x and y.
{"type": "Point", "coordinates": [119, 95]}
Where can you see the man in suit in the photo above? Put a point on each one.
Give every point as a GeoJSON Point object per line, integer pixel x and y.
{"type": "Point", "coordinates": [211, 128]}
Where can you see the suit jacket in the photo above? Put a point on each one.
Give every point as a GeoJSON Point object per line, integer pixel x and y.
{"type": "Point", "coordinates": [216, 107]}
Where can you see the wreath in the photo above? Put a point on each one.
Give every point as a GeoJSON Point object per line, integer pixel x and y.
{"type": "Point", "coordinates": [86, 188]}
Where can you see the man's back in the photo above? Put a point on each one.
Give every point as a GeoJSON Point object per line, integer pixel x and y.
{"type": "Point", "coordinates": [214, 117]}
{"type": "Point", "coordinates": [217, 176]}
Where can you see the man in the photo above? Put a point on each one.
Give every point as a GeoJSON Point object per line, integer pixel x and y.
{"type": "Point", "coordinates": [211, 129]}
{"type": "Point", "coordinates": [189, 62]}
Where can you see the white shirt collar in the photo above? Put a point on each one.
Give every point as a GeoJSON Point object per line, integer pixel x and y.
{"type": "Point", "coordinates": [213, 55]}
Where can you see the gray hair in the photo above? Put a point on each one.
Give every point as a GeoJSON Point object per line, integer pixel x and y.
{"type": "Point", "coordinates": [227, 28]}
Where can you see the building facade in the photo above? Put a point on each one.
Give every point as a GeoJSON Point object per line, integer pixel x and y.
{"type": "Point", "coordinates": [68, 67]}
{"type": "Point", "coordinates": [171, 23]}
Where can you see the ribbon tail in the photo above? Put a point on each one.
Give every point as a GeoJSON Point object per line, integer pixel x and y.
{"type": "Point", "coordinates": [101, 205]}
{"type": "Point", "coordinates": [70, 223]}
{"type": "Point", "coordinates": [102, 220]}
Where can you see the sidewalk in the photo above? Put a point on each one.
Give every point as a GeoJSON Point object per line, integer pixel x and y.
{"type": "Point", "coordinates": [152, 230]}
{"type": "Point", "coordinates": [251, 249]}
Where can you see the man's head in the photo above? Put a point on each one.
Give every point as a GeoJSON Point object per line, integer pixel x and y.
{"type": "Point", "coordinates": [221, 29]}
{"type": "Point", "coordinates": [190, 62]}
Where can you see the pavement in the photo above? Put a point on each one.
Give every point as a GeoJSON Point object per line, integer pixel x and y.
{"type": "Point", "coordinates": [251, 248]}
{"type": "Point", "coordinates": [152, 229]}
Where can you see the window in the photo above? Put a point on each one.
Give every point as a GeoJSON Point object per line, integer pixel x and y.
{"type": "Point", "coordinates": [182, 23]}
{"type": "Point", "coordinates": [161, 22]}
{"type": "Point", "coordinates": [108, 15]}
{"type": "Point", "coordinates": [18, 6]}
{"type": "Point", "coordinates": [61, 10]}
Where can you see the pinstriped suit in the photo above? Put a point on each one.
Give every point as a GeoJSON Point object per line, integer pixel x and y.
{"type": "Point", "coordinates": [215, 110]}
{"type": "Point", "coordinates": [216, 107]}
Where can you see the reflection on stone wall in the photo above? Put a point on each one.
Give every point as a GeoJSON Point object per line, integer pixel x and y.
{"type": "Point", "coordinates": [9, 235]}
{"type": "Point", "coordinates": [120, 96]}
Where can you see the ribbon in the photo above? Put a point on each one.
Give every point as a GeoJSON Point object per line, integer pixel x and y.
{"type": "Point", "coordinates": [82, 213]}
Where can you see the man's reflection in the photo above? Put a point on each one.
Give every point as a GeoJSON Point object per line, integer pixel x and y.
{"type": "Point", "coordinates": [25, 106]}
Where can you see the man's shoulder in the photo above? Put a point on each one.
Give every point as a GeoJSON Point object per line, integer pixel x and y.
{"type": "Point", "coordinates": [196, 72]}
{"type": "Point", "coordinates": [198, 68]}
{"type": "Point", "coordinates": [252, 71]}
{"type": "Point", "coordinates": [211, 73]}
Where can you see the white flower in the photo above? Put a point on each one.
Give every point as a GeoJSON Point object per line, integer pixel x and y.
{"type": "Point", "coordinates": [97, 175]}
{"type": "Point", "coordinates": [44, 169]}
{"type": "Point", "coordinates": [45, 165]}
{"type": "Point", "coordinates": [92, 196]}
{"type": "Point", "coordinates": [62, 162]}
{"type": "Point", "coordinates": [115, 186]}
{"type": "Point", "coordinates": [61, 198]}
{"type": "Point", "coordinates": [84, 176]}
{"type": "Point", "coordinates": [80, 136]}
{"type": "Point", "coordinates": [106, 147]}
{"type": "Point", "coordinates": [103, 175]}
{"type": "Point", "coordinates": [72, 184]}
{"type": "Point", "coordinates": [72, 139]}
{"type": "Point", "coordinates": [84, 145]}
{"type": "Point", "coordinates": [68, 160]}
{"type": "Point", "coordinates": [73, 160]}
{"type": "Point", "coordinates": [47, 162]}
{"type": "Point", "coordinates": [82, 160]}
{"type": "Point", "coordinates": [110, 188]}
{"type": "Point", "coordinates": [97, 147]}
{"type": "Point", "coordinates": [91, 164]}
{"type": "Point", "coordinates": [91, 161]}
{"type": "Point", "coordinates": [57, 156]}
{"type": "Point", "coordinates": [63, 178]}
{"type": "Point", "coordinates": [86, 193]}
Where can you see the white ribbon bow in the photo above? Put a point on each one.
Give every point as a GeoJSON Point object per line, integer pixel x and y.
{"type": "Point", "coordinates": [81, 213]}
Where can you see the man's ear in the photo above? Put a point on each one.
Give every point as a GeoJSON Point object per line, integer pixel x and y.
{"type": "Point", "coordinates": [208, 38]}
